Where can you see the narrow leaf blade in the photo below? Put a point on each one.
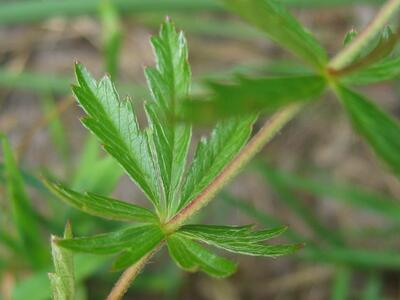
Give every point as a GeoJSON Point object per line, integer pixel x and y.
{"type": "Point", "coordinates": [108, 243]}
{"type": "Point", "coordinates": [63, 279]}
{"type": "Point", "coordinates": [169, 82]}
{"type": "Point", "coordinates": [213, 154]}
{"type": "Point", "coordinates": [253, 95]}
{"type": "Point", "coordinates": [272, 17]}
{"type": "Point", "coordinates": [22, 212]}
{"type": "Point", "coordinates": [192, 257]}
{"type": "Point", "coordinates": [380, 130]}
{"type": "Point", "coordinates": [113, 121]}
{"type": "Point", "coordinates": [101, 206]}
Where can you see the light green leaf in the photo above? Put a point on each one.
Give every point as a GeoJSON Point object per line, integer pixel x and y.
{"type": "Point", "coordinates": [253, 95]}
{"type": "Point", "coordinates": [213, 154]}
{"type": "Point", "coordinates": [238, 240]}
{"type": "Point", "coordinates": [62, 280]}
{"type": "Point", "coordinates": [169, 82]}
{"type": "Point", "coordinates": [272, 17]}
{"type": "Point", "coordinates": [191, 257]}
{"type": "Point", "coordinates": [387, 69]}
{"type": "Point", "coordinates": [113, 121]}
{"type": "Point", "coordinates": [378, 128]}
{"type": "Point", "coordinates": [101, 206]}
{"type": "Point", "coordinates": [243, 234]}
{"type": "Point", "coordinates": [23, 215]}
{"type": "Point", "coordinates": [108, 243]}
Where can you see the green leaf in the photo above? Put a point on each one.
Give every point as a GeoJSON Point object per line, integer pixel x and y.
{"type": "Point", "coordinates": [243, 241]}
{"type": "Point", "coordinates": [240, 234]}
{"type": "Point", "coordinates": [191, 257]}
{"type": "Point", "coordinates": [108, 243]}
{"type": "Point", "coordinates": [213, 154]}
{"type": "Point", "coordinates": [62, 280]}
{"type": "Point", "coordinates": [377, 50]}
{"type": "Point", "coordinates": [113, 121]}
{"type": "Point", "coordinates": [387, 69]}
{"type": "Point", "coordinates": [132, 255]}
{"type": "Point", "coordinates": [272, 17]}
{"type": "Point", "coordinates": [253, 95]}
{"type": "Point", "coordinates": [101, 206]}
{"type": "Point", "coordinates": [375, 126]}
{"type": "Point", "coordinates": [169, 82]}
{"type": "Point", "coordinates": [23, 215]}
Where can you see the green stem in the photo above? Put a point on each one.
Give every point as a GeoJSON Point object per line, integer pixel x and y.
{"type": "Point", "coordinates": [266, 133]}
{"type": "Point", "coordinates": [343, 58]}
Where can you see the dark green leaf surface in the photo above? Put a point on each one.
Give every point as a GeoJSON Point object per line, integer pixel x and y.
{"type": "Point", "coordinates": [113, 121]}
{"type": "Point", "coordinates": [136, 252]}
{"type": "Point", "coordinates": [213, 154]}
{"type": "Point", "coordinates": [169, 82]}
{"type": "Point", "coordinates": [385, 70]}
{"type": "Point", "coordinates": [112, 242]}
{"type": "Point", "coordinates": [101, 206]}
{"type": "Point", "coordinates": [253, 95]}
{"type": "Point", "coordinates": [62, 280]}
{"type": "Point", "coordinates": [22, 213]}
{"type": "Point", "coordinates": [191, 257]}
{"type": "Point", "coordinates": [380, 130]}
{"type": "Point", "coordinates": [272, 17]}
{"type": "Point", "coordinates": [243, 241]}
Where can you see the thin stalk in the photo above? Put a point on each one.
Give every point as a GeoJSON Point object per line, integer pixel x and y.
{"type": "Point", "coordinates": [266, 133]}
{"type": "Point", "coordinates": [123, 283]}
{"type": "Point", "coordinates": [343, 58]}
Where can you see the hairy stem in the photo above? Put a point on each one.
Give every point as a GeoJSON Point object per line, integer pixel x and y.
{"type": "Point", "coordinates": [343, 58]}
{"type": "Point", "coordinates": [266, 133]}
{"type": "Point", "coordinates": [129, 275]}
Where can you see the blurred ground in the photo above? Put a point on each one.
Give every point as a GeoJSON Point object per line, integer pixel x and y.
{"type": "Point", "coordinates": [319, 140]}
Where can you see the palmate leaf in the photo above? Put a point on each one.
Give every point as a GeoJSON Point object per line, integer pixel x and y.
{"type": "Point", "coordinates": [23, 216]}
{"type": "Point", "coordinates": [375, 126]}
{"type": "Point", "coordinates": [113, 242]}
{"type": "Point", "coordinates": [213, 154]}
{"type": "Point", "coordinates": [253, 95]}
{"type": "Point", "coordinates": [191, 257]}
{"type": "Point", "coordinates": [239, 239]}
{"type": "Point", "coordinates": [271, 17]}
{"type": "Point", "coordinates": [101, 206]}
{"type": "Point", "coordinates": [113, 121]}
{"type": "Point", "coordinates": [169, 82]}
{"type": "Point", "coordinates": [62, 280]}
